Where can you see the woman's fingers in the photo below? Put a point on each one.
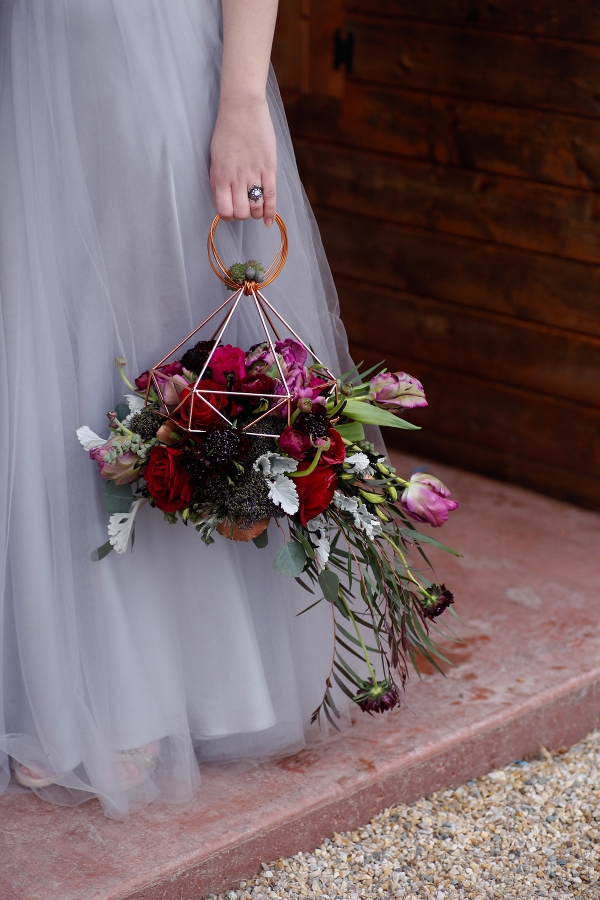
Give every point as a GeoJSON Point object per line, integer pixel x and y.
{"type": "Point", "coordinates": [224, 201]}
{"type": "Point", "coordinates": [241, 203]}
{"type": "Point", "coordinates": [269, 198]}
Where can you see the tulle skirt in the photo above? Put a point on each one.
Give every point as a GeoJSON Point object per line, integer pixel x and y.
{"type": "Point", "coordinates": [106, 113]}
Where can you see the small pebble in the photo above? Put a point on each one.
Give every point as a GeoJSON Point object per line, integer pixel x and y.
{"type": "Point", "coordinates": [530, 830]}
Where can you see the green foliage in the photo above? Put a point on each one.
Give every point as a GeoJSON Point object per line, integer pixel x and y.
{"type": "Point", "coordinates": [290, 560]}
{"type": "Point", "coordinates": [117, 498]}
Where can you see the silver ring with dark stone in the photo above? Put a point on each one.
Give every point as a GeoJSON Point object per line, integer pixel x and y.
{"type": "Point", "coordinates": [255, 193]}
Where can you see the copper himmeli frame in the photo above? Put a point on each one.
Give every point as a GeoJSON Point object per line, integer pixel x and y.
{"type": "Point", "coordinates": [267, 314]}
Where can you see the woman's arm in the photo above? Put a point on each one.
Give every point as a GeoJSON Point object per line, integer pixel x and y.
{"type": "Point", "coordinates": [243, 150]}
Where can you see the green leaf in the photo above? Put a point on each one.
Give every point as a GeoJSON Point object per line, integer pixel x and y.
{"type": "Point", "coordinates": [100, 552]}
{"type": "Point", "coordinates": [352, 431]}
{"type": "Point", "coordinates": [262, 540]}
{"type": "Point", "coordinates": [417, 537]}
{"type": "Point", "coordinates": [290, 560]}
{"type": "Point", "coordinates": [122, 411]}
{"type": "Point", "coordinates": [117, 498]}
{"type": "Point", "coordinates": [372, 415]}
{"type": "Point", "coordinates": [330, 585]}
{"type": "Point", "coordinates": [307, 548]}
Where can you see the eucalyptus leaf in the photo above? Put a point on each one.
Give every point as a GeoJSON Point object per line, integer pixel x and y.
{"type": "Point", "coordinates": [122, 411]}
{"type": "Point", "coordinates": [372, 415]}
{"type": "Point", "coordinates": [262, 539]}
{"type": "Point", "coordinates": [290, 560]}
{"type": "Point", "coordinates": [330, 585]}
{"type": "Point", "coordinates": [117, 498]}
{"type": "Point", "coordinates": [100, 552]}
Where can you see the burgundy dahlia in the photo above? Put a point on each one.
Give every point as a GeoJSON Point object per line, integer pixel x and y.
{"type": "Point", "coordinates": [194, 359]}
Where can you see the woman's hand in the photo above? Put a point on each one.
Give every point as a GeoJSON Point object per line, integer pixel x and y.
{"type": "Point", "coordinates": [244, 153]}
{"type": "Point", "coordinates": [243, 150]}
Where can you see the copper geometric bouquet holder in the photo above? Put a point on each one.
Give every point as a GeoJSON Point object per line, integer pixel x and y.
{"type": "Point", "coordinates": [272, 325]}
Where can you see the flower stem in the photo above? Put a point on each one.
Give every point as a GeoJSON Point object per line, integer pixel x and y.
{"type": "Point", "coordinates": [360, 638]}
{"type": "Point", "coordinates": [126, 379]}
{"type": "Point", "coordinates": [310, 469]}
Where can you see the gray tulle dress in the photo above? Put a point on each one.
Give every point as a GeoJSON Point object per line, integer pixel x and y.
{"type": "Point", "coordinates": [106, 113]}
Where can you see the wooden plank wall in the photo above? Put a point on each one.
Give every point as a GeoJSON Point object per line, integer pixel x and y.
{"type": "Point", "coordinates": [457, 186]}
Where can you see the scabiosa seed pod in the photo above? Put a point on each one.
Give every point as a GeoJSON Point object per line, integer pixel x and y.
{"type": "Point", "coordinates": [377, 696]}
{"type": "Point", "coordinates": [194, 359]}
{"type": "Point", "coordinates": [438, 599]}
{"type": "Point", "coordinates": [146, 423]}
{"type": "Point", "coordinates": [315, 423]}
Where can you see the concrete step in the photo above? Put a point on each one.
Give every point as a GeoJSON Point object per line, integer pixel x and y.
{"type": "Point", "coordinates": [526, 675]}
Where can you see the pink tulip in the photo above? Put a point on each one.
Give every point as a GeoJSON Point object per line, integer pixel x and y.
{"type": "Point", "coordinates": [172, 388]}
{"type": "Point", "coordinates": [122, 469]}
{"type": "Point", "coordinates": [395, 391]}
{"type": "Point", "coordinates": [161, 375]}
{"type": "Point", "coordinates": [425, 499]}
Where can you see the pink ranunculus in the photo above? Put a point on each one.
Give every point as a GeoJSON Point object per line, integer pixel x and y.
{"type": "Point", "coordinates": [396, 391]}
{"type": "Point", "coordinates": [294, 442]}
{"type": "Point", "coordinates": [124, 469]}
{"type": "Point", "coordinates": [161, 375]}
{"type": "Point", "coordinates": [228, 360]}
{"type": "Point", "coordinates": [293, 354]}
{"type": "Point", "coordinates": [173, 388]}
{"type": "Point", "coordinates": [426, 499]}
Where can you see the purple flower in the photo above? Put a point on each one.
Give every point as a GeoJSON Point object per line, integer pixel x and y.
{"type": "Point", "coordinates": [293, 354]}
{"type": "Point", "coordinates": [395, 391]}
{"type": "Point", "coordinates": [377, 697]}
{"type": "Point", "coordinates": [119, 467]}
{"type": "Point", "coordinates": [438, 599]}
{"type": "Point", "coordinates": [425, 499]}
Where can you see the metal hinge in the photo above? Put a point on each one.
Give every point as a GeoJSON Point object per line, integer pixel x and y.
{"type": "Point", "coordinates": [343, 51]}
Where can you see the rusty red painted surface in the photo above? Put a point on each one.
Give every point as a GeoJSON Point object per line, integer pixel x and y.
{"type": "Point", "coordinates": [528, 673]}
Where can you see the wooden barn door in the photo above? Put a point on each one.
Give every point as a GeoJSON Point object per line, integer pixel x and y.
{"type": "Point", "coordinates": [456, 182]}
{"type": "Point", "coordinates": [309, 47]}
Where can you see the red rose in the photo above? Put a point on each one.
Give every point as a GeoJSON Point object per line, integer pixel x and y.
{"type": "Point", "coordinates": [202, 414]}
{"type": "Point", "coordinates": [315, 491]}
{"type": "Point", "coordinates": [337, 451]}
{"type": "Point", "coordinates": [168, 482]}
{"type": "Point", "coordinates": [161, 375]}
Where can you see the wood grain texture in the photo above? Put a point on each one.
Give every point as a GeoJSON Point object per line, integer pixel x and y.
{"type": "Point", "coordinates": [504, 419]}
{"type": "Point", "coordinates": [482, 345]}
{"type": "Point", "coordinates": [533, 144]}
{"type": "Point", "coordinates": [519, 70]}
{"type": "Point", "coordinates": [513, 212]}
{"type": "Point", "coordinates": [572, 19]}
{"type": "Point", "coordinates": [557, 292]}
{"type": "Point", "coordinates": [464, 453]}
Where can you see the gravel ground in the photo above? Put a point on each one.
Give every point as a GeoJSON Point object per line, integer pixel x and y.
{"type": "Point", "coordinates": [529, 830]}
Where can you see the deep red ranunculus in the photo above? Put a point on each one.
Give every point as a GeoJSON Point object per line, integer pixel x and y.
{"type": "Point", "coordinates": [315, 491]}
{"type": "Point", "coordinates": [228, 360]}
{"type": "Point", "coordinates": [202, 413]}
{"type": "Point", "coordinates": [255, 384]}
{"type": "Point", "coordinates": [337, 451]}
{"type": "Point", "coordinates": [294, 442]}
{"type": "Point", "coordinates": [168, 482]}
{"type": "Point", "coordinates": [161, 375]}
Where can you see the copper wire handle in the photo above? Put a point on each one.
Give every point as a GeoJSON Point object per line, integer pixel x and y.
{"type": "Point", "coordinates": [224, 274]}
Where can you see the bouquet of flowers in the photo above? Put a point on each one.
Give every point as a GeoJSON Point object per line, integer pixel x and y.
{"type": "Point", "coordinates": [225, 439]}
